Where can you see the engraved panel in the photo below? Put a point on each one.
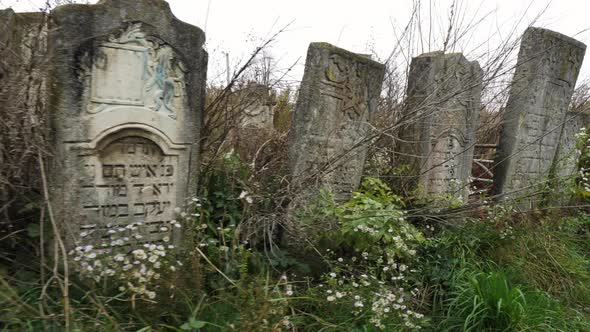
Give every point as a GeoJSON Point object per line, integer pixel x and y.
{"type": "Point", "coordinates": [130, 182]}
{"type": "Point", "coordinates": [343, 81]}
{"type": "Point", "coordinates": [134, 69]}
{"type": "Point", "coordinates": [117, 74]}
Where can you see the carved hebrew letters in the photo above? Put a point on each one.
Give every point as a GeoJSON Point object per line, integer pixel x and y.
{"type": "Point", "coordinates": [130, 181]}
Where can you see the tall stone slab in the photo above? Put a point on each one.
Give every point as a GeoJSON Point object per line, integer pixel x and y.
{"type": "Point", "coordinates": [23, 124]}
{"type": "Point", "coordinates": [440, 119]}
{"type": "Point", "coordinates": [127, 89]}
{"type": "Point", "coordinates": [533, 121]}
{"type": "Point", "coordinates": [339, 93]}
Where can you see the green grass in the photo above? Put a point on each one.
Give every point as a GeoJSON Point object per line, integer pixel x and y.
{"type": "Point", "coordinates": [535, 279]}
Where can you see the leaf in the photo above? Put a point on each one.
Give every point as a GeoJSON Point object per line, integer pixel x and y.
{"type": "Point", "coordinates": [196, 324]}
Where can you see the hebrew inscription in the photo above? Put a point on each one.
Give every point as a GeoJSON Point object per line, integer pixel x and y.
{"type": "Point", "coordinates": [130, 182]}
{"type": "Point", "coordinates": [127, 99]}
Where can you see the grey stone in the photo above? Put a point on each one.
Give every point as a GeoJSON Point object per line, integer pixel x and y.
{"type": "Point", "coordinates": [566, 160]}
{"type": "Point", "coordinates": [258, 111]}
{"type": "Point", "coordinates": [546, 73]}
{"type": "Point", "coordinates": [564, 170]}
{"type": "Point", "coordinates": [440, 119]}
{"type": "Point", "coordinates": [23, 71]}
{"type": "Point", "coordinates": [328, 139]}
{"type": "Point", "coordinates": [127, 89]}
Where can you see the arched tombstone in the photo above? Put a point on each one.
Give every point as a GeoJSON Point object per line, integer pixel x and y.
{"type": "Point", "coordinates": [127, 95]}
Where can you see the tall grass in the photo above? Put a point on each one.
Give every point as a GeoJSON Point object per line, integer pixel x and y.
{"type": "Point", "coordinates": [533, 280]}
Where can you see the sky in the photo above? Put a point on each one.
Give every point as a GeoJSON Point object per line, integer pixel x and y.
{"type": "Point", "coordinates": [237, 27]}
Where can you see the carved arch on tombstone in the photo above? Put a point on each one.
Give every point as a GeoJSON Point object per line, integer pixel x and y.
{"type": "Point", "coordinates": [130, 177]}
{"type": "Point", "coordinates": [136, 130]}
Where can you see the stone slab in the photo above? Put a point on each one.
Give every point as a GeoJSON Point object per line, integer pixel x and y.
{"type": "Point", "coordinates": [128, 89]}
{"type": "Point", "coordinates": [546, 73]}
{"type": "Point", "coordinates": [440, 119]}
{"type": "Point", "coordinates": [338, 95]}
{"type": "Point", "coordinates": [23, 101]}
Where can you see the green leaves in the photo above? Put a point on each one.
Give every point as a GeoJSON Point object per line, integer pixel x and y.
{"type": "Point", "coordinates": [193, 324]}
{"type": "Point", "coordinates": [373, 220]}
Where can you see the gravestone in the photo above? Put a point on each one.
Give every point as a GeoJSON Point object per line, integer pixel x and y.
{"type": "Point", "coordinates": [258, 111]}
{"type": "Point", "coordinates": [339, 93]}
{"type": "Point", "coordinates": [566, 169]}
{"type": "Point", "coordinates": [23, 72]}
{"type": "Point", "coordinates": [127, 89]}
{"type": "Point", "coordinates": [533, 121]}
{"type": "Point", "coordinates": [254, 129]}
{"type": "Point", "coordinates": [440, 119]}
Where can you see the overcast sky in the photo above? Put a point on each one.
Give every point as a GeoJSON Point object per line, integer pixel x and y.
{"type": "Point", "coordinates": [369, 26]}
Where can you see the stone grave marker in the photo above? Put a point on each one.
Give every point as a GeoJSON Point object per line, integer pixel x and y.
{"type": "Point", "coordinates": [339, 93]}
{"type": "Point", "coordinates": [258, 112]}
{"type": "Point", "coordinates": [441, 117]}
{"type": "Point", "coordinates": [566, 160]}
{"type": "Point", "coordinates": [127, 89]}
{"type": "Point", "coordinates": [23, 73]}
{"type": "Point", "coordinates": [533, 121]}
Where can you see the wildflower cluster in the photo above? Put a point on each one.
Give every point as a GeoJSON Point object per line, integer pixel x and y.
{"type": "Point", "coordinates": [500, 213]}
{"type": "Point", "coordinates": [507, 232]}
{"type": "Point", "coordinates": [374, 287]}
{"type": "Point", "coordinates": [123, 259]}
{"type": "Point", "coordinates": [373, 282]}
{"type": "Point", "coordinates": [374, 223]}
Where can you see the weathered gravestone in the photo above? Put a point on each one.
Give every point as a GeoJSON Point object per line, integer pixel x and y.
{"type": "Point", "coordinates": [566, 159]}
{"type": "Point", "coordinates": [339, 93]}
{"type": "Point", "coordinates": [23, 124]}
{"type": "Point", "coordinates": [533, 121]}
{"type": "Point", "coordinates": [253, 104]}
{"type": "Point", "coordinates": [258, 111]}
{"type": "Point", "coordinates": [127, 90]}
{"type": "Point", "coordinates": [440, 119]}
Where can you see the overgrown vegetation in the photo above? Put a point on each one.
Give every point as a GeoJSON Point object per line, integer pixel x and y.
{"type": "Point", "coordinates": [382, 260]}
{"type": "Point", "coordinates": [379, 268]}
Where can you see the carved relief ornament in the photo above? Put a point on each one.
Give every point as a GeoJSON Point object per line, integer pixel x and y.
{"type": "Point", "coordinates": [136, 70]}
